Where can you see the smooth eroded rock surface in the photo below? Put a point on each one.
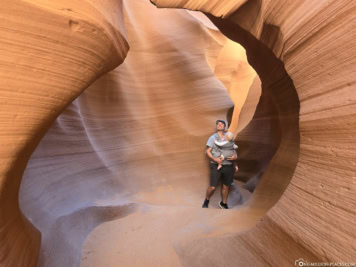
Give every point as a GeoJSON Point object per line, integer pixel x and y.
{"type": "Point", "coordinates": [106, 107]}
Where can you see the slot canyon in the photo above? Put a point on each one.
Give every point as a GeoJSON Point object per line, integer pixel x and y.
{"type": "Point", "coordinates": [106, 108]}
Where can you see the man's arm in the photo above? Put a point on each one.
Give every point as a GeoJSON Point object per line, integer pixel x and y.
{"type": "Point", "coordinates": [233, 157]}
{"type": "Point", "coordinates": [208, 152]}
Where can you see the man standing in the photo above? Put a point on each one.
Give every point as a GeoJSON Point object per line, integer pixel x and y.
{"type": "Point", "coordinates": [226, 172]}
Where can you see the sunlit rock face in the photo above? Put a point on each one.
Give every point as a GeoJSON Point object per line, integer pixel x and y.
{"type": "Point", "coordinates": [120, 175]}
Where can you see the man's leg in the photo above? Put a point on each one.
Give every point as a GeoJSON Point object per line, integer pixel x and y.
{"type": "Point", "coordinates": [210, 192]}
{"type": "Point", "coordinates": [215, 175]}
{"type": "Point", "coordinates": [228, 176]}
{"type": "Point", "coordinates": [224, 193]}
{"type": "Point", "coordinates": [214, 179]}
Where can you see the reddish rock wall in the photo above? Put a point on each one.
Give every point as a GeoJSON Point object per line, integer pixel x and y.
{"type": "Point", "coordinates": [130, 149]}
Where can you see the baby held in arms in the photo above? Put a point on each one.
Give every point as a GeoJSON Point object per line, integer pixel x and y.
{"type": "Point", "coordinates": [225, 148]}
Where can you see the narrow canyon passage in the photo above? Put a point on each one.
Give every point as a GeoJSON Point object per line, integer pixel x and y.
{"type": "Point", "coordinates": [135, 140]}
{"type": "Point", "coordinates": [107, 108]}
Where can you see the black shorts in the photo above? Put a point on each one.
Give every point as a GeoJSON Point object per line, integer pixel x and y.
{"type": "Point", "coordinates": [226, 173]}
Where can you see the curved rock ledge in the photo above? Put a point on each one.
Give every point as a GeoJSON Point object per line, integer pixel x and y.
{"type": "Point", "coordinates": [51, 53]}
{"type": "Point", "coordinates": [316, 50]}
{"type": "Point", "coordinates": [89, 169]}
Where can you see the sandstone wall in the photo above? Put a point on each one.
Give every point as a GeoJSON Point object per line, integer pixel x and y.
{"type": "Point", "coordinates": [130, 149]}
{"type": "Point", "coordinates": [315, 216]}
{"type": "Point", "coordinates": [51, 51]}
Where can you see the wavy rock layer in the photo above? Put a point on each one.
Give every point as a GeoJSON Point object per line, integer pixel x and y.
{"type": "Point", "coordinates": [50, 53]}
{"type": "Point", "coordinates": [130, 149]}
{"type": "Point", "coordinates": [314, 218]}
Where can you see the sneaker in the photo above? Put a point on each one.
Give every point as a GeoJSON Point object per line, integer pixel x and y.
{"type": "Point", "coordinates": [205, 204]}
{"type": "Point", "coordinates": [223, 205]}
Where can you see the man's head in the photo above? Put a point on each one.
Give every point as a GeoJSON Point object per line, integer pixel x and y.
{"type": "Point", "coordinates": [220, 125]}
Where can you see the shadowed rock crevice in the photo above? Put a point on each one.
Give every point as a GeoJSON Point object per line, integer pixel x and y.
{"type": "Point", "coordinates": [272, 37]}
{"type": "Point", "coordinates": [248, 15]}
{"type": "Point", "coordinates": [275, 124]}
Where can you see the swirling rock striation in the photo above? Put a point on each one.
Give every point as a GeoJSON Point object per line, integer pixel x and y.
{"type": "Point", "coordinates": [136, 136]}
{"type": "Point", "coordinates": [314, 41]}
{"type": "Point", "coordinates": [119, 174]}
{"type": "Point", "coordinates": [51, 51]}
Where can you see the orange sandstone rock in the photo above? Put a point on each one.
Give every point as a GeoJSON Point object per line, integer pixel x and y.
{"type": "Point", "coordinates": [118, 175]}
